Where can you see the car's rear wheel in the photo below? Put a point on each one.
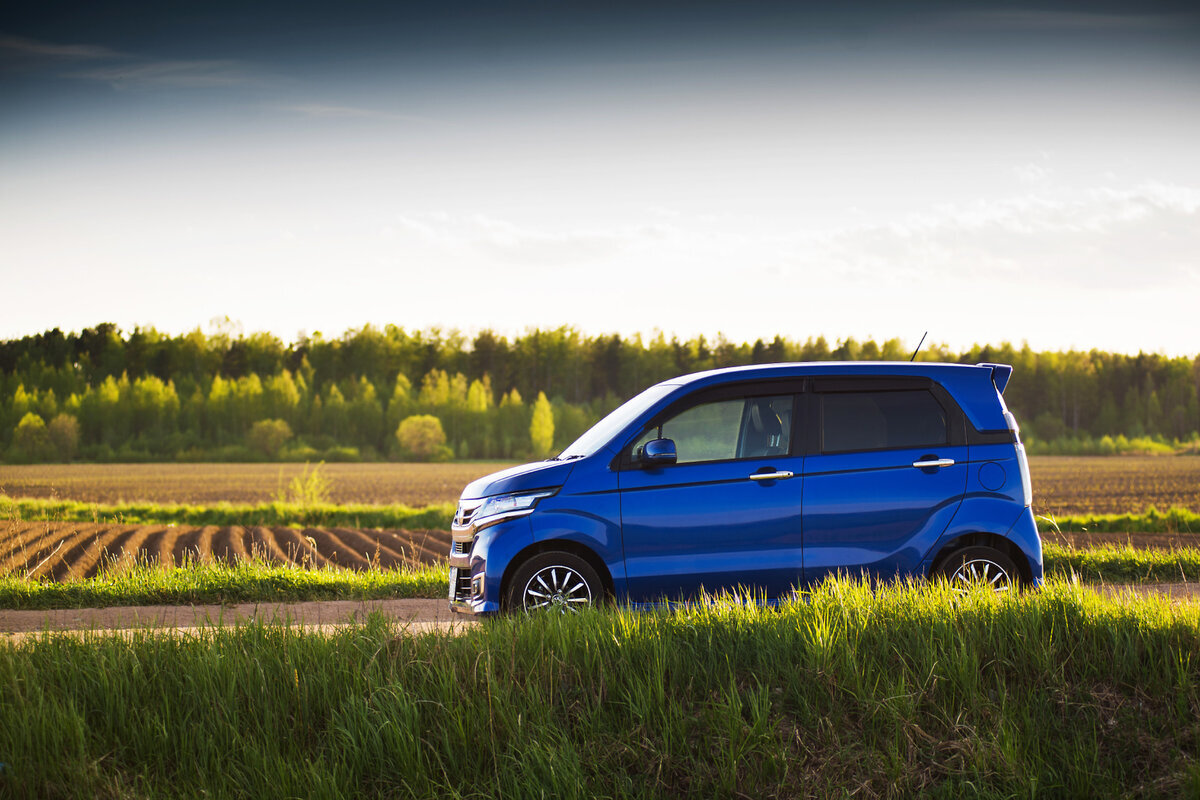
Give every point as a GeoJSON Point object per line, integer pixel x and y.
{"type": "Point", "coordinates": [979, 566]}
{"type": "Point", "coordinates": [554, 582]}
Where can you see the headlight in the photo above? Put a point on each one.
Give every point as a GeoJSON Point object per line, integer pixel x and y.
{"type": "Point", "coordinates": [506, 506]}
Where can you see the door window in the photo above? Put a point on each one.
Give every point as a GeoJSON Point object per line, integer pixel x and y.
{"type": "Point", "coordinates": [881, 421]}
{"type": "Point", "coordinates": [722, 430]}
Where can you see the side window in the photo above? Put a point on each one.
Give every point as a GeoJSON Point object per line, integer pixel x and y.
{"type": "Point", "coordinates": [881, 420]}
{"type": "Point", "coordinates": [743, 427]}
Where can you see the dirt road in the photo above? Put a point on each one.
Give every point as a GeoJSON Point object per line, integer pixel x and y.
{"type": "Point", "coordinates": [415, 615]}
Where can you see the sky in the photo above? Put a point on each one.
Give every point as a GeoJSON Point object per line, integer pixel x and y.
{"type": "Point", "coordinates": [986, 172]}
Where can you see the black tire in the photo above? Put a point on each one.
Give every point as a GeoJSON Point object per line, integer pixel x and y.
{"type": "Point", "coordinates": [979, 564]}
{"type": "Point", "coordinates": [555, 581]}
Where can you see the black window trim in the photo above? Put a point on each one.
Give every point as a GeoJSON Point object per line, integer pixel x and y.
{"type": "Point", "coordinates": [806, 428]}
{"type": "Point", "coordinates": [955, 418]}
{"type": "Point", "coordinates": [796, 387]}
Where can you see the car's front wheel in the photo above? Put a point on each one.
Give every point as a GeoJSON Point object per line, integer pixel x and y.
{"type": "Point", "coordinates": [556, 582]}
{"type": "Point", "coordinates": [980, 566]}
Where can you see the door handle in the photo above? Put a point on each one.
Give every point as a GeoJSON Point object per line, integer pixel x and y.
{"type": "Point", "coordinates": [772, 476]}
{"type": "Point", "coordinates": [937, 462]}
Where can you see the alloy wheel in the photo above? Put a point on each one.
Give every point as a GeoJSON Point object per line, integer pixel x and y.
{"type": "Point", "coordinates": [556, 588]}
{"type": "Point", "coordinates": [980, 572]}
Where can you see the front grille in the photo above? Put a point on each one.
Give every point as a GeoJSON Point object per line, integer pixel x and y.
{"type": "Point", "coordinates": [462, 586]}
{"type": "Point", "coordinates": [466, 512]}
{"type": "Point", "coordinates": [460, 548]}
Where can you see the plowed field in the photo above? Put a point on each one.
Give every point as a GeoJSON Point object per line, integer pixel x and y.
{"type": "Point", "coordinates": [65, 550]}
{"type": "Point", "coordinates": [72, 550]}
{"type": "Point", "coordinates": [1065, 485]}
{"type": "Point", "coordinates": [198, 484]}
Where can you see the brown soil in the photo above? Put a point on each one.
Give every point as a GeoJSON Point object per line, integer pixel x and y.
{"type": "Point", "coordinates": [414, 484]}
{"type": "Point", "coordinates": [72, 550]}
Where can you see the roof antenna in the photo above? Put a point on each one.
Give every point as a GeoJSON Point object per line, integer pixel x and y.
{"type": "Point", "coordinates": [923, 335]}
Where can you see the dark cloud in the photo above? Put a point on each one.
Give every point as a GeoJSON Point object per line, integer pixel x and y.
{"type": "Point", "coordinates": [273, 29]}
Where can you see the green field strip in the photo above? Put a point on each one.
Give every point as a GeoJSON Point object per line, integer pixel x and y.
{"type": "Point", "coordinates": [294, 514]}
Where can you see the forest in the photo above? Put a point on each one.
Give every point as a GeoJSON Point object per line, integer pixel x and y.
{"type": "Point", "coordinates": [102, 394]}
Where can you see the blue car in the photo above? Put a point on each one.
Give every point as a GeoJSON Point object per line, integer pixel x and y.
{"type": "Point", "coordinates": [767, 478]}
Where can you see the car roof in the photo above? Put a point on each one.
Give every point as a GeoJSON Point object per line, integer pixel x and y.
{"type": "Point", "coordinates": [970, 384]}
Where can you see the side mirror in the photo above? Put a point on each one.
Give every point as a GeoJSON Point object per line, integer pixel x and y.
{"type": "Point", "coordinates": [658, 451]}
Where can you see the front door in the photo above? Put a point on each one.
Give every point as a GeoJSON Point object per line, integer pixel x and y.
{"type": "Point", "coordinates": [727, 514]}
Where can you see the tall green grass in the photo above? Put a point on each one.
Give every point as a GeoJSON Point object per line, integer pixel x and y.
{"type": "Point", "coordinates": [348, 515]}
{"type": "Point", "coordinates": [260, 580]}
{"type": "Point", "coordinates": [1122, 564]}
{"type": "Point", "coordinates": [211, 582]}
{"type": "Point", "coordinates": [891, 692]}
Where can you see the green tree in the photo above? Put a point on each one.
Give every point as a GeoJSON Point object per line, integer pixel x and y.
{"type": "Point", "coordinates": [513, 424]}
{"type": "Point", "coordinates": [365, 415]}
{"type": "Point", "coordinates": [281, 398]}
{"type": "Point", "coordinates": [268, 436]}
{"type": "Point", "coordinates": [335, 416]}
{"type": "Point", "coordinates": [30, 437]}
{"type": "Point", "coordinates": [63, 436]}
{"type": "Point", "coordinates": [541, 426]}
{"type": "Point", "coordinates": [421, 438]}
{"type": "Point", "coordinates": [400, 405]}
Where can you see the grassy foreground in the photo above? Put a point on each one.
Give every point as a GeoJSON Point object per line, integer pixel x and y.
{"type": "Point", "coordinates": [207, 582]}
{"type": "Point", "coordinates": [254, 580]}
{"type": "Point", "coordinates": [348, 515]}
{"type": "Point", "coordinates": [899, 692]}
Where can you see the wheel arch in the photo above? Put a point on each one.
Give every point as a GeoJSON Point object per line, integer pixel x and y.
{"type": "Point", "coordinates": [558, 546]}
{"type": "Point", "coordinates": [992, 540]}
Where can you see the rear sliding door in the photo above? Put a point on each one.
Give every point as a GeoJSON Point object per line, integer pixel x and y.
{"type": "Point", "coordinates": [885, 473]}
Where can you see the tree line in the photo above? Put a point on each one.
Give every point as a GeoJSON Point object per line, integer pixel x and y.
{"type": "Point", "coordinates": [103, 394]}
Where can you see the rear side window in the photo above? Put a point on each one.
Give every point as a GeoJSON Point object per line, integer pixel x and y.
{"type": "Point", "coordinates": [881, 420]}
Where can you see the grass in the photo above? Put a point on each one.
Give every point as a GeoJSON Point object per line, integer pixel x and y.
{"type": "Point", "coordinates": [901, 691]}
{"type": "Point", "coordinates": [260, 580]}
{"type": "Point", "coordinates": [1173, 520]}
{"type": "Point", "coordinates": [1123, 564]}
{"type": "Point", "coordinates": [214, 582]}
{"type": "Point", "coordinates": [351, 515]}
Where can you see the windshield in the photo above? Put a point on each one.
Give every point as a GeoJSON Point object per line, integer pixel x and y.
{"type": "Point", "coordinates": [603, 431]}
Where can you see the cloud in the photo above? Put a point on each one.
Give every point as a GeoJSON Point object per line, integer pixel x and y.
{"type": "Point", "coordinates": [175, 74]}
{"type": "Point", "coordinates": [1144, 237]}
{"type": "Point", "coordinates": [33, 48]}
{"type": "Point", "coordinates": [324, 111]}
{"type": "Point", "coordinates": [1106, 238]}
{"type": "Point", "coordinates": [506, 241]}
{"type": "Point", "coordinates": [1031, 173]}
{"type": "Point", "coordinates": [1044, 20]}
{"type": "Point", "coordinates": [124, 70]}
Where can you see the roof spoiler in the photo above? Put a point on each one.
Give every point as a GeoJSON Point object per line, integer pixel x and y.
{"type": "Point", "coordinates": [1000, 374]}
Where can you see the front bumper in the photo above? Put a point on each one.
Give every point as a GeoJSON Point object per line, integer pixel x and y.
{"type": "Point", "coordinates": [467, 580]}
{"type": "Point", "coordinates": [478, 558]}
